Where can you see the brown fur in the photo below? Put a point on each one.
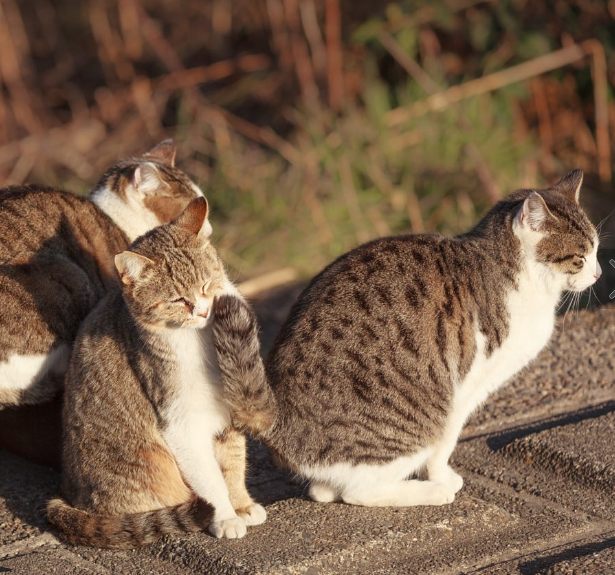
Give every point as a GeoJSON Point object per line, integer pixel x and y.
{"type": "Point", "coordinates": [56, 260]}
{"type": "Point", "coordinates": [122, 482]}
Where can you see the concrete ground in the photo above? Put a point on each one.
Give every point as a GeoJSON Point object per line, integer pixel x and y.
{"type": "Point", "coordinates": [538, 461]}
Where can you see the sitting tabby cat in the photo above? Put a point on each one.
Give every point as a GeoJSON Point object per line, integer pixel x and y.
{"type": "Point", "coordinates": [391, 347]}
{"type": "Point", "coordinates": [56, 262]}
{"type": "Point", "coordinates": [148, 446]}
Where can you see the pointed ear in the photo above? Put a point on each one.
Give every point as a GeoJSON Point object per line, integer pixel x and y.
{"type": "Point", "coordinates": [570, 185]}
{"type": "Point", "coordinates": [146, 180]}
{"type": "Point", "coordinates": [534, 213]}
{"type": "Point", "coordinates": [194, 218]}
{"type": "Point", "coordinates": [130, 266]}
{"type": "Point", "coordinates": [164, 152]}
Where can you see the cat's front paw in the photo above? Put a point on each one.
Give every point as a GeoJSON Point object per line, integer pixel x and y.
{"type": "Point", "coordinates": [448, 477]}
{"type": "Point", "coordinates": [233, 528]}
{"type": "Point", "coordinates": [254, 514]}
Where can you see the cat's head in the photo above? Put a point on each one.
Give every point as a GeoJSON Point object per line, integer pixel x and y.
{"type": "Point", "coordinates": [171, 275]}
{"type": "Point", "coordinates": [556, 235]}
{"type": "Point", "coordinates": [142, 193]}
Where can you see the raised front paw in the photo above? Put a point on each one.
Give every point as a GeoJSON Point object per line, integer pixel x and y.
{"type": "Point", "coordinates": [232, 528]}
{"type": "Point", "coordinates": [447, 477]}
{"type": "Point", "coordinates": [254, 514]}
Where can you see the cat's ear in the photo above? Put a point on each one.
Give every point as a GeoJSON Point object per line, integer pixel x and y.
{"type": "Point", "coordinates": [194, 218]}
{"type": "Point", "coordinates": [534, 214]}
{"type": "Point", "coordinates": [164, 152]}
{"type": "Point", "coordinates": [130, 266]}
{"type": "Point", "coordinates": [570, 185]}
{"type": "Point", "coordinates": [147, 181]}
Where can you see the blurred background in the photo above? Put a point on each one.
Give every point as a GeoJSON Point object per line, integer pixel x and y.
{"type": "Point", "coordinates": [315, 125]}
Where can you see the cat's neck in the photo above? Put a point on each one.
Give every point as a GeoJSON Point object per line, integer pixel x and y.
{"type": "Point", "coordinates": [128, 213]}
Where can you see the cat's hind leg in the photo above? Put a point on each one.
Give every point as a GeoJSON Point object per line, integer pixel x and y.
{"type": "Point", "coordinates": [230, 450]}
{"type": "Point", "coordinates": [407, 493]}
{"type": "Point", "coordinates": [323, 493]}
{"type": "Point", "coordinates": [381, 485]}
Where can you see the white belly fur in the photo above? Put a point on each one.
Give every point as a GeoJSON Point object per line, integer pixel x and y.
{"type": "Point", "coordinates": [21, 372]}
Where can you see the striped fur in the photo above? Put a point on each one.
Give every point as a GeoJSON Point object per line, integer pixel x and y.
{"type": "Point", "coordinates": [56, 261]}
{"type": "Point", "coordinates": [241, 368]}
{"type": "Point", "coordinates": [392, 346]}
{"type": "Point", "coordinates": [145, 420]}
{"type": "Point", "coordinates": [127, 531]}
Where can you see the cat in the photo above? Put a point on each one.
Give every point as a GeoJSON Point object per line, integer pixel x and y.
{"type": "Point", "coordinates": [149, 445]}
{"type": "Point", "coordinates": [56, 262]}
{"type": "Point", "coordinates": [391, 347]}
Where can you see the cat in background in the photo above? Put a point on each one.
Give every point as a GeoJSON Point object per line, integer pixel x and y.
{"type": "Point", "coordinates": [391, 347]}
{"type": "Point", "coordinates": [56, 262]}
{"type": "Point", "coordinates": [149, 445]}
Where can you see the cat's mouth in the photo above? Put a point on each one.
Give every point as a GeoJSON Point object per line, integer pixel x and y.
{"type": "Point", "coordinates": [198, 322]}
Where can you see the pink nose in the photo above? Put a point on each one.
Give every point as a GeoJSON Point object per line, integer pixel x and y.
{"type": "Point", "coordinates": [204, 313]}
{"type": "Point", "coordinates": [597, 276]}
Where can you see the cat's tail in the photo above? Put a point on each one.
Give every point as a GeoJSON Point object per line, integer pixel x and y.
{"type": "Point", "coordinates": [245, 386]}
{"type": "Point", "coordinates": [127, 531]}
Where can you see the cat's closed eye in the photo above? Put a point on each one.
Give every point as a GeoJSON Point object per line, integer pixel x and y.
{"type": "Point", "coordinates": [183, 301]}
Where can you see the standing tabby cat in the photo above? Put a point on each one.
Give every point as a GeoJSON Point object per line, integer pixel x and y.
{"type": "Point", "coordinates": [391, 347]}
{"type": "Point", "coordinates": [56, 262]}
{"type": "Point", "coordinates": [148, 443]}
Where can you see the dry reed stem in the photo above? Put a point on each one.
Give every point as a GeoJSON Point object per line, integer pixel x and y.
{"type": "Point", "coordinates": [264, 135]}
{"type": "Point", "coordinates": [314, 37]}
{"type": "Point", "coordinates": [352, 200]}
{"type": "Point", "coordinates": [11, 66]}
{"type": "Point", "coordinates": [409, 64]}
{"type": "Point", "coordinates": [325, 233]}
{"type": "Point", "coordinates": [544, 118]}
{"type": "Point", "coordinates": [189, 77]}
{"type": "Point", "coordinates": [443, 100]}
{"type": "Point", "coordinates": [303, 63]}
{"type": "Point", "coordinates": [557, 59]}
{"type": "Point", "coordinates": [599, 76]}
{"type": "Point", "coordinates": [274, 279]}
{"type": "Point", "coordinates": [416, 71]}
{"type": "Point", "coordinates": [279, 33]}
{"type": "Point", "coordinates": [335, 78]}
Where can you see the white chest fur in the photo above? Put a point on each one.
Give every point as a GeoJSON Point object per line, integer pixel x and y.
{"type": "Point", "coordinates": [531, 310]}
{"type": "Point", "coordinates": [198, 404]}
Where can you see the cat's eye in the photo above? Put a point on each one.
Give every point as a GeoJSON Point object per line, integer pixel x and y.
{"type": "Point", "coordinates": [204, 289]}
{"type": "Point", "coordinates": [181, 300]}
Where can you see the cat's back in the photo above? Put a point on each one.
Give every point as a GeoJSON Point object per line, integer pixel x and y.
{"type": "Point", "coordinates": [366, 289]}
{"type": "Point", "coordinates": [39, 218]}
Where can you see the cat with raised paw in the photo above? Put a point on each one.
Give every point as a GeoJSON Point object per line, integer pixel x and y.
{"type": "Point", "coordinates": [391, 347]}
{"type": "Point", "coordinates": [149, 442]}
{"type": "Point", "coordinates": [56, 262]}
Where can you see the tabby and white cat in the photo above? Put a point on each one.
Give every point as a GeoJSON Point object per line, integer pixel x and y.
{"type": "Point", "coordinates": [391, 347]}
{"type": "Point", "coordinates": [56, 262]}
{"type": "Point", "coordinates": [149, 448]}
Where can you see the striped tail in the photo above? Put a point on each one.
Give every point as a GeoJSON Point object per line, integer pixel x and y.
{"type": "Point", "coordinates": [127, 531]}
{"type": "Point", "coordinates": [244, 382]}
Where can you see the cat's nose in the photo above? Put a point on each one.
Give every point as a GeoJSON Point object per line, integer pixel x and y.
{"type": "Point", "coordinates": [203, 313]}
{"type": "Point", "coordinates": [598, 271]}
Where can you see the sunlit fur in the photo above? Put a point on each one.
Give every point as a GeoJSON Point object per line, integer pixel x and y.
{"type": "Point", "coordinates": [147, 423]}
{"type": "Point", "coordinates": [391, 347]}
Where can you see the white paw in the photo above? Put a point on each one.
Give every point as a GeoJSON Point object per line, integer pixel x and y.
{"type": "Point", "coordinates": [253, 515]}
{"type": "Point", "coordinates": [440, 494]}
{"type": "Point", "coordinates": [448, 477]}
{"type": "Point", "coordinates": [233, 528]}
{"type": "Point", "coordinates": [321, 492]}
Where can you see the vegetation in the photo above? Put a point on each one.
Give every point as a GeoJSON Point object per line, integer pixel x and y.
{"type": "Point", "coordinates": [312, 124]}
